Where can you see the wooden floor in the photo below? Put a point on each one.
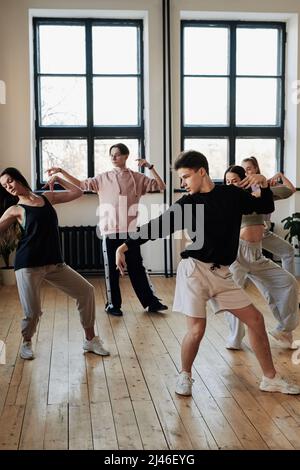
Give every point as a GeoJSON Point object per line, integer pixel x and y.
{"type": "Point", "coordinates": [67, 400]}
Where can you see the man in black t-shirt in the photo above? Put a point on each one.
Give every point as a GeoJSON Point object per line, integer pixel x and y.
{"type": "Point", "coordinates": [203, 273]}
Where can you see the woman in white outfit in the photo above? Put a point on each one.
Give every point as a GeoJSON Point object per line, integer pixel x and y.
{"type": "Point", "coordinates": [279, 287]}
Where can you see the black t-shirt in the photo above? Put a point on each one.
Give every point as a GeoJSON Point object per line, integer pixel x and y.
{"type": "Point", "coordinates": [39, 244]}
{"type": "Point", "coordinates": [212, 219]}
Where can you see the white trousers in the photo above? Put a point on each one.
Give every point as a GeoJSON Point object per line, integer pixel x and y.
{"type": "Point", "coordinates": [280, 248]}
{"type": "Point", "coordinates": [279, 288]}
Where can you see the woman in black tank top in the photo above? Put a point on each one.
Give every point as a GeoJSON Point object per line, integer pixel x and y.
{"type": "Point", "coordinates": [38, 255]}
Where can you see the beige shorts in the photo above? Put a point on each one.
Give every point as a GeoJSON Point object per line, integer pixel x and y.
{"type": "Point", "coordinates": [198, 282]}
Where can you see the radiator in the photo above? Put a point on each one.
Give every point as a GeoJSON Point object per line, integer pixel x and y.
{"type": "Point", "coordinates": [82, 249]}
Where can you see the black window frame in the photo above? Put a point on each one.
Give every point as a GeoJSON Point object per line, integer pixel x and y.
{"type": "Point", "coordinates": [233, 131]}
{"type": "Point", "coordinates": [90, 132]}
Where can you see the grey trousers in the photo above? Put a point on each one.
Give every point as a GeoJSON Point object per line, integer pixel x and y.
{"type": "Point", "coordinates": [279, 288]}
{"type": "Point", "coordinates": [29, 281]}
{"type": "Point", "coordinates": [281, 248]}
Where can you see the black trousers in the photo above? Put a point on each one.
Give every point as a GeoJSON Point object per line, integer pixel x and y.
{"type": "Point", "coordinates": [135, 269]}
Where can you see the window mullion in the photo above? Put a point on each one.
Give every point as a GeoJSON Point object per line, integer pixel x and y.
{"type": "Point", "coordinates": [141, 102]}
{"type": "Point", "coordinates": [232, 93]}
{"type": "Point", "coordinates": [281, 100]}
{"type": "Point", "coordinates": [36, 59]}
{"type": "Point", "coordinates": [89, 98]}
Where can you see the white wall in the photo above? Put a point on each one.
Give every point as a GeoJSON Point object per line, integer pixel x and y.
{"type": "Point", "coordinates": [16, 131]}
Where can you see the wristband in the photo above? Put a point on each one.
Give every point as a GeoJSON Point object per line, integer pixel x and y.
{"type": "Point", "coordinates": [150, 167]}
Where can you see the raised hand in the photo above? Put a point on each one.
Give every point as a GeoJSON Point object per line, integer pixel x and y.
{"type": "Point", "coordinates": [51, 182]}
{"type": "Point", "coordinates": [251, 180]}
{"type": "Point", "coordinates": [53, 170]}
{"type": "Point", "coordinates": [276, 179]}
{"type": "Point", "coordinates": [142, 162]}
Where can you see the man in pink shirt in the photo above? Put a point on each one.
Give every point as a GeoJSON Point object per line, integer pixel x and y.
{"type": "Point", "coordinates": [120, 191]}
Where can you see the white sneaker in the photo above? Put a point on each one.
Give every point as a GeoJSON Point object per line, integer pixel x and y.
{"type": "Point", "coordinates": [184, 384]}
{"type": "Point", "coordinates": [278, 384]}
{"type": "Point", "coordinates": [233, 347]}
{"type": "Point", "coordinates": [95, 345]}
{"type": "Point", "coordinates": [26, 351]}
{"type": "Point", "coordinates": [284, 338]}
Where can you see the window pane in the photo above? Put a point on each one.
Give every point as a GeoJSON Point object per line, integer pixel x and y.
{"type": "Point", "coordinates": [256, 101]}
{"type": "Point", "coordinates": [262, 149]}
{"type": "Point", "coordinates": [205, 51]}
{"type": "Point", "coordinates": [69, 154]}
{"type": "Point", "coordinates": [115, 50]}
{"type": "Point", "coordinates": [216, 152]}
{"type": "Point", "coordinates": [102, 158]}
{"type": "Point", "coordinates": [62, 49]}
{"type": "Point", "coordinates": [205, 101]}
{"type": "Point", "coordinates": [115, 101]}
{"type": "Point", "coordinates": [63, 101]}
{"type": "Point", "coordinates": [257, 51]}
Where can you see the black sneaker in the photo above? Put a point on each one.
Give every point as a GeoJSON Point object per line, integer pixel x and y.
{"type": "Point", "coordinates": [156, 306]}
{"type": "Point", "coordinates": [117, 312]}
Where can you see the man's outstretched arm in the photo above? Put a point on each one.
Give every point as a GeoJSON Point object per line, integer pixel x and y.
{"type": "Point", "coordinates": [166, 224]}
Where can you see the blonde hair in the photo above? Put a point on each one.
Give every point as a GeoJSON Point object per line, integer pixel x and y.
{"type": "Point", "coordinates": [254, 162]}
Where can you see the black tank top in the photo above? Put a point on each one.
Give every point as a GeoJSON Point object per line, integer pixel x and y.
{"type": "Point", "coordinates": [39, 244]}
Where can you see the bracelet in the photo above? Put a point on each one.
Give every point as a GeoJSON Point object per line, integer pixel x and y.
{"type": "Point", "coordinates": [150, 167]}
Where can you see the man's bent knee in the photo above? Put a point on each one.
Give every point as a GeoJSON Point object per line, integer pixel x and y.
{"type": "Point", "coordinates": [249, 315]}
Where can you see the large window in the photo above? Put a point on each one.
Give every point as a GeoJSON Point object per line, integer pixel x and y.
{"type": "Point", "coordinates": [88, 93]}
{"type": "Point", "coordinates": [232, 77]}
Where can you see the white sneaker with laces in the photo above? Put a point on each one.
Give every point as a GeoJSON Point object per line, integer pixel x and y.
{"type": "Point", "coordinates": [285, 338]}
{"type": "Point", "coordinates": [184, 384]}
{"type": "Point", "coordinates": [26, 351]}
{"type": "Point", "coordinates": [95, 345]}
{"type": "Point", "coordinates": [278, 384]}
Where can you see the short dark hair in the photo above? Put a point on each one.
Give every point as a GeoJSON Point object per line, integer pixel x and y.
{"type": "Point", "coordinates": [191, 159]}
{"type": "Point", "coordinates": [237, 169]}
{"type": "Point", "coordinates": [124, 150]}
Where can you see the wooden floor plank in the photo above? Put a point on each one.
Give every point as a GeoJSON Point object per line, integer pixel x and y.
{"type": "Point", "coordinates": [103, 426]}
{"type": "Point", "coordinates": [58, 380]}
{"type": "Point", "coordinates": [150, 430]}
{"type": "Point", "coordinates": [33, 428]}
{"type": "Point", "coordinates": [56, 428]}
{"type": "Point", "coordinates": [10, 427]}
